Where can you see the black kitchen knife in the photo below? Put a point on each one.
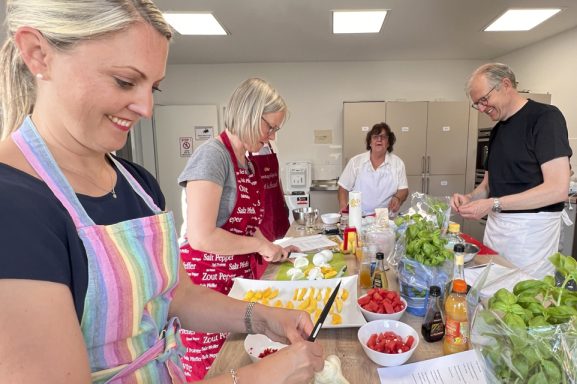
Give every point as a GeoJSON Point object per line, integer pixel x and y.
{"type": "Point", "coordinates": [324, 314]}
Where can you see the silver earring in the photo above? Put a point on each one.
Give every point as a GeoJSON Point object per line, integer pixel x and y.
{"type": "Point", "coordinates": [39, 76]}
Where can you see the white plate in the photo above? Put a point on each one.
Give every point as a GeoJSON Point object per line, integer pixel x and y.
{"type": "Point", "coordinates": [351, 315]}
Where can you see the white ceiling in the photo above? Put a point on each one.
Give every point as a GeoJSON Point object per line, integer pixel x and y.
{"type": "Point", "coordinates": [300, 30]}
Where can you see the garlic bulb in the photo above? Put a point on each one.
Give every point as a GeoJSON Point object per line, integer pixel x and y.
{"type": "Point", "coordinates": [331, 373]}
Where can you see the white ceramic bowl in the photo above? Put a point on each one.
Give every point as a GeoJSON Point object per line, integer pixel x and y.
{"type": "Point", "coordinates": [371, 316]}
{"type": "Point", "coordinates": [379, 326]}
{"type": "Point", "coordinates": [331, 218]}
{"type": "Point", "coordinates": [254, 345]}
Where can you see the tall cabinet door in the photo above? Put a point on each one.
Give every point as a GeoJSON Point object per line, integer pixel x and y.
{"type": "Point", "coordinates": [408, 120]}
{"type": "Point", "coordinates": [358, 119]}
{"type": "Point", "coordinates": [447, 134]}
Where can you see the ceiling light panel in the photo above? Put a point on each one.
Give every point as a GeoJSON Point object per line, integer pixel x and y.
{"type": "Point", "coordinates": [358, 21]}
{"type": "Point", "coordinates": [195, 23]}
{"type": "Point", "coordinates": [521, 19]}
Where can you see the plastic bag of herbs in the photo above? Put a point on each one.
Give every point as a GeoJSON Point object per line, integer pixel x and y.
{"type": "Point", "coordinates": [421, 260]}
{"type": "Point", "coordinates": [529, 334]}
{"type": "Point", "coordinates": [431, 208]}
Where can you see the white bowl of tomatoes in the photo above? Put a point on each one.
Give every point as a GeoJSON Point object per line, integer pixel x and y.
{"type": "Point", "coordinates": [382, 304]}
{"type": "Point", "coordinates": [388, 342]}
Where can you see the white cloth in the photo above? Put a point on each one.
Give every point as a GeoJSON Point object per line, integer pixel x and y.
{"type": "Point", "coordinates": [377, 185]}
{"type": "Point", "coordinates": [525, 239]}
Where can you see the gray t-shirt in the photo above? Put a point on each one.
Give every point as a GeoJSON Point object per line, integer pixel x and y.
{"type": "Point", "coordinates": [211, 161]}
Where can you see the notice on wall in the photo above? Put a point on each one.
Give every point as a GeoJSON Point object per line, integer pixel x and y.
{"type": "Point", "coordinates": [185, 144]}
{"type": "Point", "coordinates": [202, 133]}
{"type": "Point", "coordinates": [323, 136]}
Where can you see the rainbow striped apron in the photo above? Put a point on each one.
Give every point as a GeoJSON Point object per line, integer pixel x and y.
{"type": "Point", "coordinates": [132, 273]}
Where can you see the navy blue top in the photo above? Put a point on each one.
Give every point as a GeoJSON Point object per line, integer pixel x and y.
{"type": "Point", "coordinates": [38, 239]}
{"type": "Point", "coordinates": [518, 147]}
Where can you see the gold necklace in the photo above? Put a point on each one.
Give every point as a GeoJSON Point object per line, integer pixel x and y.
{"type": "Point", "coordinates": [111, 191]}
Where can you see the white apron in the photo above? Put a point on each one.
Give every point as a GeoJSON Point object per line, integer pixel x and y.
{"type": "Point", "coordinates": [525, 239]}
{"type": "Point", "coordinates": [377, 186]}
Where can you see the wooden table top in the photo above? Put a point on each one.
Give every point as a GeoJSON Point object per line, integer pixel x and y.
{"type": "Point", "coordinates": [343, 342]}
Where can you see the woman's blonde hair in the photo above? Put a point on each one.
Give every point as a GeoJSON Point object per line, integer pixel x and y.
{"type": "Point", "coordinates": [63, 23]}
{"type": "Point", "coordinates": [252, 99]}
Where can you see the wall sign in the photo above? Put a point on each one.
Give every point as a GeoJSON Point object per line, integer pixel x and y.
{"type": "Point", "coordinates": [203, 133]}
{"type": "Point", "coordinates": [185, 144]}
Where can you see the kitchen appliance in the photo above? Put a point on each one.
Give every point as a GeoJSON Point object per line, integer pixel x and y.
{"type": "Point", "coordinates": [297, 185]}
{"type": "Point", "coordinates": [482, 154]}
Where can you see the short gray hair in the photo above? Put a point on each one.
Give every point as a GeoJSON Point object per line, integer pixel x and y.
{"type": "Point", "coordinates": [63, 24]}
{"type": "Point", "coordinates": [494, 73]}
{"type": "Point", "coordinates": [252, 98]}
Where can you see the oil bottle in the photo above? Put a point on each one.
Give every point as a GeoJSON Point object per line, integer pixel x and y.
{"type": "Point", "coordinates": [380, 275]}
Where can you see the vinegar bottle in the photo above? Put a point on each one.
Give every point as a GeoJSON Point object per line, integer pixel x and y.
{"type": "Point", "coordinates": [456, 319]}
{"type": "Point", "coordinates": [433, 327]}
{"type": "Point", "coordinates": [380, 274]}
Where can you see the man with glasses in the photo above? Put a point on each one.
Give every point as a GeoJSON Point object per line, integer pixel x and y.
{"type": "Point", "coordinates": [526, 172]}
{"type": "Point", "coordinates": [378, 174]}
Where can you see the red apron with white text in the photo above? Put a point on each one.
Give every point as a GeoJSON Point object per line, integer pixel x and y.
{"type": "Point", "coordinates": [218, 271]}
{"type": "Point", "coordinates": [275, 222]}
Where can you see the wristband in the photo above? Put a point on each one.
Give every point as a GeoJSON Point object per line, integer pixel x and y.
{"type": "Point", "coordinates": [248, 317]}
{"type": "Point", "coordinates": [397, 197]}
{"type": "Point", "coordinates": [234, 376]}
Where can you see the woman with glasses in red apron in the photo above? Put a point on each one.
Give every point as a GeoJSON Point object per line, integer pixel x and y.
{"type": "Point", "coordinates": [91, 285]}
{"type": "Point", "coordinates": [225, 207]}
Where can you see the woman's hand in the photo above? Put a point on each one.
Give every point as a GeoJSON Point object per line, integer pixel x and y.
{"type": "Point", "coordinates": [275, 253]}
{"type": "Point", "coordinates": [394, 204]}
{"type": "Point", "coordinates": [296, 363]}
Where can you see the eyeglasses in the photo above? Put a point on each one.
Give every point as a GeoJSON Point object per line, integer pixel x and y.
{"type": "Point", "coordinates": [483, 100]}
{"type": "Point", "coordinates": [271, 129]}
{"type": "Point", "coordinates": [382, 136]}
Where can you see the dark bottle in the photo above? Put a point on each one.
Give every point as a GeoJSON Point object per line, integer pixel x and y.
{"type": "Point", "coordinates": [433, 328]}
{"type": "Point", "coordinates": [379, 277]}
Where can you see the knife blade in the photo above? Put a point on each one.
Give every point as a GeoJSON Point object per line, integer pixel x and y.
{"type": "Point", "coordinates": [324, 314]}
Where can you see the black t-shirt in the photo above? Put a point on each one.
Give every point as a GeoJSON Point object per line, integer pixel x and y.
{"type": "Point", "coordinates": [518, 147]}
{"type": "Point", "coordinates": [38, 238]}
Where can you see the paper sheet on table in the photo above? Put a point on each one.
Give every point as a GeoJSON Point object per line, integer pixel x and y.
{"type": "Point", "coordinates": [464, 367]}
{"type": "Point", "coordinates": [307, 243]}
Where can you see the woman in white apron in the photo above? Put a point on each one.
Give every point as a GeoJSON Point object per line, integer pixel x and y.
{"type": "Point", "coordinates": [91, 287]}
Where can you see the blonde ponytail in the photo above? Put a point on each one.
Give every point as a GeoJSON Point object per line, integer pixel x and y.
{"type": "Point", "coordinates": [17, 89]}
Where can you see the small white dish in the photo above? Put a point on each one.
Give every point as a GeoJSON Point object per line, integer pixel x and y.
{"type": "Point", "coordinates": [254, 345]}
{"type": "Point", "coordinates": [330, 218]}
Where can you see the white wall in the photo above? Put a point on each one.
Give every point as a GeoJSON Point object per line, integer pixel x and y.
{"type": "Point", "coordinates": [315, 93]}
{"type": "Point", "coordinates": [551, 66]}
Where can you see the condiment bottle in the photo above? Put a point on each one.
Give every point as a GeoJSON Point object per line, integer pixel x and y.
{"type": "Point", "coordinates": [433, 327]}
{"type": "Point", "coordinates": [365, 280]}
{"type": "Point", "coordinates": [456, 319]}
{"type": "Point", "coordinates": [453, 236]}
{"type": "Point", "coordinates": [380, 275]}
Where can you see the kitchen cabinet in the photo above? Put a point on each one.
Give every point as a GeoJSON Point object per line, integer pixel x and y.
{"type": "Point", "coordinates": [358, 119]}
